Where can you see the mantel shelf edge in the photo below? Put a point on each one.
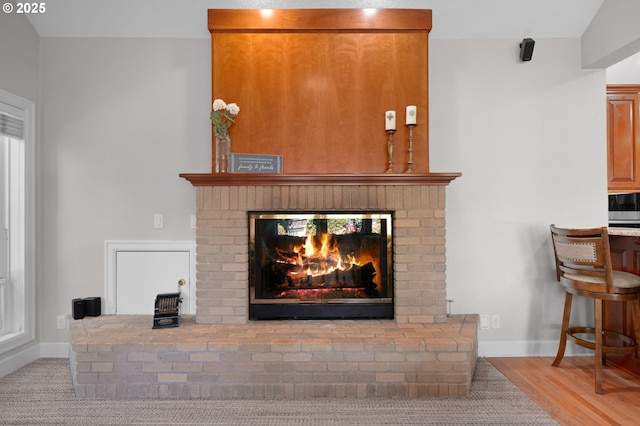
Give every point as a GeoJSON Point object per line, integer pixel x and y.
{"type": "Point", "coordinates": [267, 179]}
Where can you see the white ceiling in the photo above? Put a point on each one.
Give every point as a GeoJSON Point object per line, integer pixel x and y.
{"type": "Point", "coordinates": [452, 19]}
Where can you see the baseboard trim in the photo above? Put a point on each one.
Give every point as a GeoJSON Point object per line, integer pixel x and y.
{"type": "Point", "coordinates": [41, 350]}
{"type": "Point", "coordinates": [54, 350]}
{"type": "Point", "coordinates": [19, 359]}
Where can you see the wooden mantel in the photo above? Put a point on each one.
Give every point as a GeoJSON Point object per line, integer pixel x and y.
{"type": "Point", "coordinates": [264, 179]}
{"type": "Point", "coordinates": [314, 85]}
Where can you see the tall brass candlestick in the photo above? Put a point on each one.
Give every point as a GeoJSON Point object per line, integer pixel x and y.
{"type": "Point", "coordinates": [410, 161]}
{"type": "Point", "coordinates": [390, 150]}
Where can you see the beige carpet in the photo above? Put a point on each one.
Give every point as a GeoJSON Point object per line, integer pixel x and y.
{"type": "Point", "coordinates": [41, 394]}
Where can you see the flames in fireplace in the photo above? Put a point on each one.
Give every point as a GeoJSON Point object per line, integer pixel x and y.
{"type": "Point", "coordinates": [320, 259]}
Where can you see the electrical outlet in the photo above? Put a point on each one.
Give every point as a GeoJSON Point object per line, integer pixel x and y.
{"type": "Point", "coordinates": [495, 321]}
{"type": "Point", "coordinates": [484, 322]}
{"type": "Point", "coordinates": [61, 321]}
{"type": "Point", "coordinates": [193, 221]}
{"type": "Point", "coordinates": [158, 220]}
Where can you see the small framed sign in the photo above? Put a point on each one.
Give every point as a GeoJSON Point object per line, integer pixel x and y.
{"type": "Point", "coordinates": [255, 163]}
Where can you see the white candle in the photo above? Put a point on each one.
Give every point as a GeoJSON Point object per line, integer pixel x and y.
{"type": "Point", "coordinates": [412, 111]}
{"type": "Point", "coordinates": [390, 120]}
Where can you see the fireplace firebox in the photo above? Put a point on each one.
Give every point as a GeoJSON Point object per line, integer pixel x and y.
{"type": "Point", "coordinates": [327, 265]}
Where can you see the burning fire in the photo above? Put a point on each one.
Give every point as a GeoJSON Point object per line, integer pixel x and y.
{"type": "Point", "coordinates": [324, 259]}
{"type": "Point", "coordinates": [321, 257]}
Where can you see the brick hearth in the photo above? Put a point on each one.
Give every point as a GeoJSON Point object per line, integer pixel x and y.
{"type": "Point", "coordinates": [219, 353]}
{"type": "Point", "coordinates": [120, 356]}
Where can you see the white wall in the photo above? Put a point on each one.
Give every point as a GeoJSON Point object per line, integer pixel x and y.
{"type": "Point", "coordinates": [626, 71]}
{"type": "Point", "coordinates": [19, 49]}
{"type": "Point", "coordinates": [529, 139]}
{"type": "Point", "coordinates": [612, 35]}
{"type": "Point", "coordinates": [121, 118]}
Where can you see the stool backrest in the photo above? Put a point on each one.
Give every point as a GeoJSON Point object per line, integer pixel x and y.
{"type": "Point", "coordinates": [583, 258]}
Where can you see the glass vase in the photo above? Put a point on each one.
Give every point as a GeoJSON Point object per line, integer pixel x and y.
{"type": "Point", "coordinates": [223, 149]}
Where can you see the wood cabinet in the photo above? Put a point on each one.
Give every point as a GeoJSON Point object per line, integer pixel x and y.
{"type": "Point", "coordinates": [625, 256]}
{"type": "Point", "coordinates": [623, 137]}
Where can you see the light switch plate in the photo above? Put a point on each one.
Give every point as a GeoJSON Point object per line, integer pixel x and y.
{"type": "Point", "coordinates": [495, 321]}
{"type": "Point", "coordinates": [484, 322]}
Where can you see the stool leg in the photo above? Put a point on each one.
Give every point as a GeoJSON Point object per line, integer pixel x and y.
{"type": "Point", "coordinates": [568, 297]}
{"type": "Point", "coordinates": [599, 337]}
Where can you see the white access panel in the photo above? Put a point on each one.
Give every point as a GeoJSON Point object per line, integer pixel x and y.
{"type": "Point", "coordinates": [140, 276]}
{"type": "Point", "coordinates": [137, 271]}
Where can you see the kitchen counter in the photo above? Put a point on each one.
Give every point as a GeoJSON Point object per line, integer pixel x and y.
{"type": "Point", "coordinates": [624, 232]}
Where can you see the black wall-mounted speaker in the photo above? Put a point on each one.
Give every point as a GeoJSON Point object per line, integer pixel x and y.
{"type": "Point", "coordinates": [526, 49]}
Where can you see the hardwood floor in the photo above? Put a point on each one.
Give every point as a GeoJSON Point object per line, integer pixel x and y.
{"type": "Point", "coordinates": [567, 392]}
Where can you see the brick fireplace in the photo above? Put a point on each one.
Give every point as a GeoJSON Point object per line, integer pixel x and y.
{"type": "Point", "coordinates": [419, 242]}
{"type": "Point", "coordinates": [220, 353]}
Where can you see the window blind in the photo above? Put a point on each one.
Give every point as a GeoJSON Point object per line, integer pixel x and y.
{"type": "Point", "coordinates": [11, 125]}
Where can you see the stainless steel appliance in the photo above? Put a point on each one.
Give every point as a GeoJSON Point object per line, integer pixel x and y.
{"type": "Point", "coordinates": [624, 210]}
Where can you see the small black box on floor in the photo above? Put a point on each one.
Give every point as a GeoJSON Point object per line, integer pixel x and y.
{"type": "Point", "coordinates": [92, 306]}
{"type": "Point", "coordinates": [167, 310]}
{"type": "Point", "coordinates": [77, 308]}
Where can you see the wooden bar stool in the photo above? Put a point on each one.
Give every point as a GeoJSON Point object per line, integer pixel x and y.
{"type": "Point", "coordinates": [583, 267]}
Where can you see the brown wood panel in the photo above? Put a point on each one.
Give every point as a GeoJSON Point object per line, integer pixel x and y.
{"type": "Point", "coordinates": [314, 19]}
{"type": "Point", "coordinates": [625, 256]}
{"type": "Point", "coordinates": [623, 137]}
{"type": "Point", "coordinates": [621, 131]}
{"type": "Point", "coordinates": [319, 97]}
{"type": "Point", "coordinates": [625, 253]}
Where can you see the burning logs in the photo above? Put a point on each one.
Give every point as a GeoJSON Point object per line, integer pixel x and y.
{"type": "Point", "coordinates": [356, 277]}
{"type": "Point", "coordinates": [335, 264]}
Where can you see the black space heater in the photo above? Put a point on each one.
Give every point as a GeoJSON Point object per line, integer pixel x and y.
{"type": "Point", "coordinates": [167, 310]}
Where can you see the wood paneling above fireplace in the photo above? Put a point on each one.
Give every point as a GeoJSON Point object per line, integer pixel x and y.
{"type": "Point", "coordinates": [313, 85]}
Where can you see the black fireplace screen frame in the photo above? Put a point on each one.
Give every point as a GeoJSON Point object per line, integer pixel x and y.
{"type": "Point", "coordinates": [374, 301]}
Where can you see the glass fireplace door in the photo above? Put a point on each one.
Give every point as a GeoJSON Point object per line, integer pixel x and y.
{"type": "Point", "coordinates": [320, 265]}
